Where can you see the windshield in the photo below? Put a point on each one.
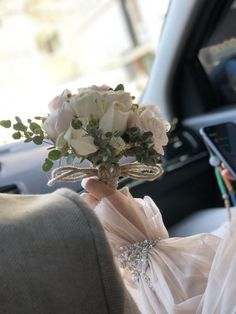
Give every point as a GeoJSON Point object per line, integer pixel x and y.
{"type": "Point", "coordinates": [50, 45]}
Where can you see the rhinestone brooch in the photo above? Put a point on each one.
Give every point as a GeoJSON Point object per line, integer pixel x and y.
{"type": "Point", "coordinates": [134, 258]}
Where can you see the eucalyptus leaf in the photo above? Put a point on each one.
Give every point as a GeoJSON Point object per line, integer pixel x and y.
{"type": "Point", "coordinates": [29, 139]}
{"type": "Point", "coordinates": [38, 140]}
{"type": "Point", "coordinates": [35, 127]}
{"type": "Point", "coordinates": [147, 135]}
{"type": "Point", "coordinates": [16, 135]}
{"type": "Point", "coordinates": [19, 127]}
{"type": "Point", "coordinates": [119, 87]}
{"type": "Point", "coordinates": [47, 165]}
{"type": "Point", "coordinates": [5, 123]}
{"type": "Point", "coordinates": [28, 134]}
{"type": "Point", "coordinates": [76, 124]}
{"type": "Point", "coordinates": [51, 147]}
{"type": "Point", "coordinates": [108, 134]}
{"type": "Point", "coordinates": [18, 119]}
{"type": "Point", "coordinates": [54, 154]}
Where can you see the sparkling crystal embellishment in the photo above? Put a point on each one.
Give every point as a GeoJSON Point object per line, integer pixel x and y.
{"type": "Point", "coordinates": [134, 257]}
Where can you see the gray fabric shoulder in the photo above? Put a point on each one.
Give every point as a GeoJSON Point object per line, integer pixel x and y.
{"type": "Point", "coordinates": [70, 195]}
{"type": "Point", "coordinates": [55, 257]}
{"type": "Point", "coordinates": [118, 298]}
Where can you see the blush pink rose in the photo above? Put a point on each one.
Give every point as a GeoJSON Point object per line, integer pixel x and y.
{"type": "Point", "coordinates": [58, 101]}
{"type": "Point", "coordinates": [61, 114]}
{"type": "Point", "coordinates": [150, 120]}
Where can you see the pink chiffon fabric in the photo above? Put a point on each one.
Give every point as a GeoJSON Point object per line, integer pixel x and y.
{"type": "Point", "coordinates": [193, 274]}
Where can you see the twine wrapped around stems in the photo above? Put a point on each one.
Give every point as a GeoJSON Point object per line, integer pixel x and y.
{"type": "Point", "coordinates": [134, 170]}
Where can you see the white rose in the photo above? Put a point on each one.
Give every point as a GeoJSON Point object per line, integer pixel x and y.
{"type": "Point", "coordinates": [81, 143]}
{"type": "Point", "coordinates": [134, 115]}
{"type": "Point", "coordinates": [115, 118]}
{"type": "Point", "coordinates": [150, 120]}
{"type": "Point", "coordinates": [102, 88]}
{"type": "Point", "coordinates": [61, 143]}
{"type": "Point", "coordinates": [120, 96]}
{"type": "Point", "coordinates": [95, 101]}
{"type": "Point", "coordinates": [60, 117]}
{"type": "Point", "coordinates": [87, 104]}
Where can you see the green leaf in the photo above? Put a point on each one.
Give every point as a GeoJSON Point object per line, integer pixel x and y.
{"type": "Point", "coordinates": [76, 124]}
{"type": "Point", "coordinates": [28, 134]}
{"type": "Point", "coordinates": [134, 130]}
{"type": "Point", "coordinates": [93, 123]}
{"type": "Point", "coordinates": [51, 147]}
{"type": "Point", "coordinates": [54, 154]}
{"type": "Point", "coordinates": [38, 140]}
{"type": "Point", "coordinates": [16, 135]}
{"type": "Point", "coordinates": [29, 139]}
{"type": "Point", "coordinates": [19, 127]}
{"type": "Point", "coordinates": [47, 165]}
{"type": "Point", "coordinates": [147, 135]}
{"type": "Point", "coordinates": [108, 134]}
{"type": "Point", "coordinates": [119, 87]}
{"type": "Point", "coordinates": [35, 127]}
{"type": "Point", "coordinates": [5, 123]}
{"type": "Point", "coordinates": [18, 119]}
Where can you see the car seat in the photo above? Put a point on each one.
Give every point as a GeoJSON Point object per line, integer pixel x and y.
{"type": "Point", "coordinates": [212, 220]}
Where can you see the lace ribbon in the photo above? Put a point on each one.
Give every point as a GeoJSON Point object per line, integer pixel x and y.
{"type": "Point", "coordinates": [134, 171]}
{"type": "Point", "coordinates": [134, 258]}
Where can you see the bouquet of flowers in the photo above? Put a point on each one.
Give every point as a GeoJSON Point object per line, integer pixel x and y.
{"type": "Point", "coordinates": [101, 125]}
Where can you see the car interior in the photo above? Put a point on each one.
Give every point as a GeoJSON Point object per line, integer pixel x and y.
{"type": "Point", "coordinates": [47, 258]}
{"type": "Point", "coordinates": [190, 82]}
{"type": "Point", "coordinates": [198, 93]}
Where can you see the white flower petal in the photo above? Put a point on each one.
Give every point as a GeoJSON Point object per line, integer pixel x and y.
{"type": "Point", "coordinates": [61, 142]}
{"type": "Point", "coordinates": [114, 119]}
{"type": "Point", "coordinates": [49, 126]}
{"type": "Point", "coordinates": [83, 145]}
{"type": "Point", "coordinates": [87, 104]}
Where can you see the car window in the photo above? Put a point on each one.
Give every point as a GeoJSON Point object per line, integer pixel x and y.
{"type": "Point", "coordinates": [218, 57]}
{"type": "Point", "coordinates": [50, 45]}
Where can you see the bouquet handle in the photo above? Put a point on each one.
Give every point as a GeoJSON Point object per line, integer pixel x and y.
{"type": "Point", "coordinates": [134, 170]}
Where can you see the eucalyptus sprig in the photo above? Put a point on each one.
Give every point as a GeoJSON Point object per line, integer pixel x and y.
{"type": "Point", "coordinates": [141, 146]}
{"type": "Point", "coordinates": [106, 154]}
{"type": "Point", "coordinates": [30, 131]}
